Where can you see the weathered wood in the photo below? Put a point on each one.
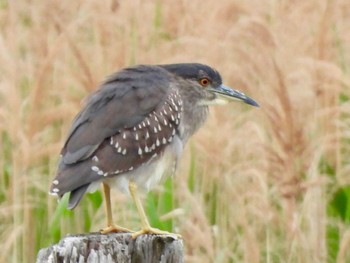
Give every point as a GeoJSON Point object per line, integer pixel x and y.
{"type": "Point", "coordinates": [118, 247]}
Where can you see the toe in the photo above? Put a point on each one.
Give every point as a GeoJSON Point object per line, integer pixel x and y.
{"type": "Point", "coordinates": [154, 231]}
{"type": "Point", "coordinates": [115, 229]}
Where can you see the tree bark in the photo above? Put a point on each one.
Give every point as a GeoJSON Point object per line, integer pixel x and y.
{"type": "Point", "coordinates": [116, 247]}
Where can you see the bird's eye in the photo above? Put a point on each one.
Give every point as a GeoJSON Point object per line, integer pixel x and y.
{"type": "Point", "coordinates": [204, 82]}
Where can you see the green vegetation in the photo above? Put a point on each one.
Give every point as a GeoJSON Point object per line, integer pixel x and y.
{"type": "Point", "coordinates": [255, 185]}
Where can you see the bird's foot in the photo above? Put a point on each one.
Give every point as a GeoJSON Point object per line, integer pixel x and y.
{"type": "Point", "coordinates": [115, 229]}
{"type": "Point", "coordinates": [154, 231]}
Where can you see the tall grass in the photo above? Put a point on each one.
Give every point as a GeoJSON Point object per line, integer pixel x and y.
{"type": "Point", "coordinates": [255, 185]}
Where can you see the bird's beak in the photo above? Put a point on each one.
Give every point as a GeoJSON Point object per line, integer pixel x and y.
{"type": "Point", "coordinates": [226, 94]}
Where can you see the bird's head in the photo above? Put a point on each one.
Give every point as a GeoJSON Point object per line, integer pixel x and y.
{"type": "Point", "coordinates": [207, 84]}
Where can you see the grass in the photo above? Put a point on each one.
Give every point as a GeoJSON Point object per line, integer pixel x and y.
{"type": "Point", "coordinates": [255, 185]}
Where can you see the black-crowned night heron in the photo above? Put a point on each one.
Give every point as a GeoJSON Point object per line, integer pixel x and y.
{"type": "Point", "coordinates": [132, 130]}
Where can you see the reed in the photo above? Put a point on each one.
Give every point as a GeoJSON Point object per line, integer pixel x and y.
{"type": "Point", "coordinates": [255, 185]}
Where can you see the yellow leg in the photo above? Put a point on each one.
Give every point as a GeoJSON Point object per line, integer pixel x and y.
{"type": "Point", "coordinates": [146, 228]}
{"type": "Point", "coordinates": [111, 228]}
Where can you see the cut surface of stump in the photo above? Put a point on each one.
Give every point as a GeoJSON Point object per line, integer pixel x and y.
{"type": "Point", "coordinates": [115, 247]}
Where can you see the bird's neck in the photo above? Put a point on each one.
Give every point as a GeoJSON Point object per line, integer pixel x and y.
{"type": "Point", "coordinates": [193, 116]}
{"type": "Point", "coordinates": [192, 121]}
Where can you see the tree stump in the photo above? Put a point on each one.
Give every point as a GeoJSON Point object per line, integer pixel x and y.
{"type": "Point", "coordinates": [115, 247]}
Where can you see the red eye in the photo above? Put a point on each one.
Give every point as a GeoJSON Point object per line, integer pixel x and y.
{"type": "Point", "coordinates": [204, 82]}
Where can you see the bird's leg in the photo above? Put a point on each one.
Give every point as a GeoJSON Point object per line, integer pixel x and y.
{"type": "Point", "coordinates": [111, 228]}
{"type": "Point", "coordinates": [146, 227]}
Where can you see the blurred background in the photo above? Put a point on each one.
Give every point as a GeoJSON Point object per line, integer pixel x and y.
{"type": "Point", "coordinates": [269, 184]}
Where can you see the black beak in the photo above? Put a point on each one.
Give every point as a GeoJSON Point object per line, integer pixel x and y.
{"type": "Point", "coordinates": [228, 94]}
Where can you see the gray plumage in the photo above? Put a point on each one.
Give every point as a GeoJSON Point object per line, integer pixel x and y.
{"type": "Point", "coordinates": [135, 127]}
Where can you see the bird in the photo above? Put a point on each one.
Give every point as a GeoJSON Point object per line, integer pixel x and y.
{"type": "Point", "coordinates": [131, 132]}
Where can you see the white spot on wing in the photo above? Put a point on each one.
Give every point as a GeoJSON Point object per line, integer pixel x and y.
{"type": "Point", "coordinates": [55, 182]}
{"type": "Point", "coordinates": [95, 158]}
{"type": "Point", "coordinates": [95, 168]}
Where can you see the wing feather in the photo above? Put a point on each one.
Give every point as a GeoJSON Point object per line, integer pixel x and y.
{"type": "Point", "coordinates": [121, 102]}
{"type": "Point", "coordinates": [125, 124]}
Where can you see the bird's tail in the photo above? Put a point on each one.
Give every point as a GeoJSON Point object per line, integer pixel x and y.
{"type": "Point", "coordinates": [73, 178]}
{"type": "Point", "coordinates": [76, 195]}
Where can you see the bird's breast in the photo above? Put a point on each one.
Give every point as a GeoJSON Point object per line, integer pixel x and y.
{"type": "Point", "coordinates": [150, 174]}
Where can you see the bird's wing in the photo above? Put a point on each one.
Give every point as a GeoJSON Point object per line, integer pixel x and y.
{"type": "Point", "coordinates": [122, 101]}
{"type": "Point", "coordinates": [125, 124]}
